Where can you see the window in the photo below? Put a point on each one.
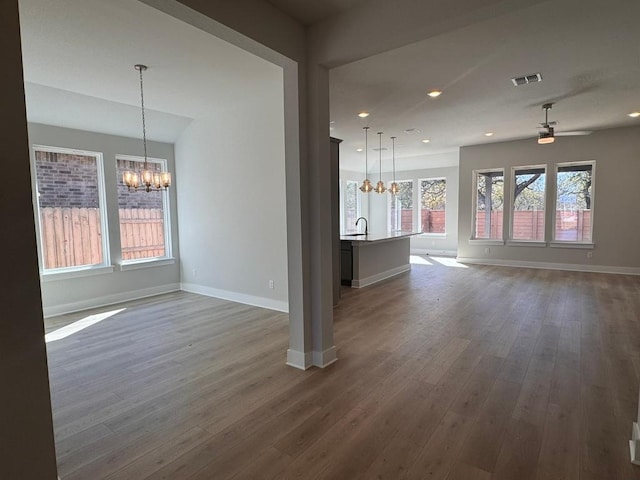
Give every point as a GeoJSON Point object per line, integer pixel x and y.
{"type": "Point", "coordinates": [351, 207]}
{"type": "Point", "coordinates": [433, 196]}
{"type": "Point", "coordinates": [527, 220]}
{"type": "Point", "coordinates": [401, 207]}
{"type": "Point", "coordinates": [574, 202]}
{"type": "Point", "coordinates": [70, 202]}
{"type": "Point", "coordinates": [144, 225]}
{"type": "Point", "coordinates": [489, 200]}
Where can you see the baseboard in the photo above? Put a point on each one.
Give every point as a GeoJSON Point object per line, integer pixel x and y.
{"type": "Point", "coordinates": [634, 444]}
{"type": "Point", "coordinates": [364, 282]}
{"type": "Point", "coordinates": [300, 360]}
{"type": "Point", "coordinates": [434, 252]}
{"type": "Point", "coordinates": [306, 360]}
{"type": "Point", "coordinates": [253, 300]}
{"type": "Point", "coordinates": [571, 267]}
{"type": "Point", "coordinates": [325, 358]}
{"type": "Point", "coordinates": [96, 302]}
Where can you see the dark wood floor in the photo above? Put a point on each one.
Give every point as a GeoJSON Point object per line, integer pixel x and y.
{"type": "Point", "coordinates": [443, 373]}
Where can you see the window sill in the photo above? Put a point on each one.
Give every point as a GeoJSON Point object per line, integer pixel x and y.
{"type": "Point", "coordinates": [583, 245]}
{"type": "Point", "coordinates": [54, 276]}
{"type": "Point", "coordinates": [485, 241]}
{"type": "Point", "coordinates": [154, 262]}
{"type": "Point", "coordinates": [526, 243]}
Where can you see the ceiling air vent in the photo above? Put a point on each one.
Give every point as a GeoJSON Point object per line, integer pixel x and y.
{"type": "Point", "coordinates": [523, 80]}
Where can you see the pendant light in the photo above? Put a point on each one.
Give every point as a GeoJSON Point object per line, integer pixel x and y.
{"type": "Point", "coordinates": [366, 186]}
{"type": "Point", "coordinates": [548, 135]}
{"type": "Point", "coordinates": [380, 188]}
{"type": "Point", "coordinates": [149, 179]}
{"type": "Point", "coordinates": [394, 189]}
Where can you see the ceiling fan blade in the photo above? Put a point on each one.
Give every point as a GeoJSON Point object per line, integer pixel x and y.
{"type": "Point", "coordinates": [574, 133]}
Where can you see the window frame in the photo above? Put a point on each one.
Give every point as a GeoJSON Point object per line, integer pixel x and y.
{"type": "Point", "coordinates": [167, 258]}
{"type": "Point", "coordinates": [413, 201]}
{"type": "Point", "coordinates": [47, 274]}
{"type": "Point", "coordinates": [344, 183]}
{"type": "Point", "coordinates": [530, 242]}
{"type": "Point", "coordinates": [419, 220]}
{"type": "Point", "coordinates": [573, 243]}
{"type": "Point", "coordinates": [474, 207]}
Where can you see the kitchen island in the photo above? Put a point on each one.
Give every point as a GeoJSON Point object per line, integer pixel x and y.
{"type": "Point", "coordinates": [367, 259]}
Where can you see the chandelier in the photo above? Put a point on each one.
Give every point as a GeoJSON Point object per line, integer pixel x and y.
{"type": "Point", "coordinates": [149, 179]}
{"type": "Point", "coordinates": [394, 188]}
{"type": "Point", "coordinates": [380, 188]}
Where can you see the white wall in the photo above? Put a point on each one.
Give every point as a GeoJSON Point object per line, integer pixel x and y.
{"type": "Point", "coordinates": [616, 199]}
{"type": "Point", "coordinates": [71, 294]}
{"type": "Point", "coordinates": [231, 200]}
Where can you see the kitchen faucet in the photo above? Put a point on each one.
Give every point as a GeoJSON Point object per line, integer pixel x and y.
{"type": "Point", "coordinates": [366, 225]}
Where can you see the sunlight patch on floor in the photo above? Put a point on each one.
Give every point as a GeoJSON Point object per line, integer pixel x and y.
{"type": "Point", "coordinates": [448, 262]}
{"type": "Point", "coordinates": [81, 324]}
{"type": "Point", "coordinates": [418, 260]}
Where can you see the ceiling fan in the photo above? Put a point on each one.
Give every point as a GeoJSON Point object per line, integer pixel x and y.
{"type": "Point", "coordinates": [548, 134]}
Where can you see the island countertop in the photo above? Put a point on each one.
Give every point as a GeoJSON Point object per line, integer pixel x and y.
{"type": "Point", "coordinates": [377, 238]}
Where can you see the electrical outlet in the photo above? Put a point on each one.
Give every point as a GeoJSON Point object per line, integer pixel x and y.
{"type": "Point", "coordinates": [589, 254]}
{"type": "Point", "coordinates": [271, 284]}
{"type": "Point", "coordinates": [487, 250]}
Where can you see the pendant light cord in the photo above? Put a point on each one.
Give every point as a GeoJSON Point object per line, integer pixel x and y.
{"type": "Point", "coordinates": [366, 152]}
{"type": "Point", "coordinates": [144, 125]}
{"type": "Point", "coordinates": [393, 149]}
{"type": "Point", "coordinates": [380, 154]}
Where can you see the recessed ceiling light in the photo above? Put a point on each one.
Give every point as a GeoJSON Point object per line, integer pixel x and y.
{"type": "Point", "coordinates": [488, 134]}
{"type": "Point", "coordinates": [359, 149]}
{"type": "Point", "coordinates": [434, 93]}
{"type": "Point", "coordinates": [426, 140]}
{"type": "Point", "coordinates": [363, 114]}
{"type": "Point", "coordinates": [634, 114]}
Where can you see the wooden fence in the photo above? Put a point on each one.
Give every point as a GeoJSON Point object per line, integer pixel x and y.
{"type": "Point", "coordinates": [72, 236]}
{"type": "Point", "coordinates": [141, 233]}
{"type": "Point", "coordinates": [529, 225]}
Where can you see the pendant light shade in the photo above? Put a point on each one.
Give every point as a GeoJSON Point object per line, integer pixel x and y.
{"type": "Point", "coordinates": [366, 186]}
{"type": "Point", "coordinates": [394, 189]}
{"type": "Point", "coordinates": [150, 179]}
{"type": "Point", "coordinates": [380, 188]}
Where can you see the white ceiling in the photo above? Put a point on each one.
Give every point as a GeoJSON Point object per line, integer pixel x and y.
{"type": "Point", "coordinates": [588, 53]}
{"type": "Point", "coordinates": [309, 12]}
{"type": "Point", "coordinates": [79, 57]}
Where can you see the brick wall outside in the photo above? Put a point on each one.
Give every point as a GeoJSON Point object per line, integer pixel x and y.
{"type": "Point", "coordinates": [66, 180]}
